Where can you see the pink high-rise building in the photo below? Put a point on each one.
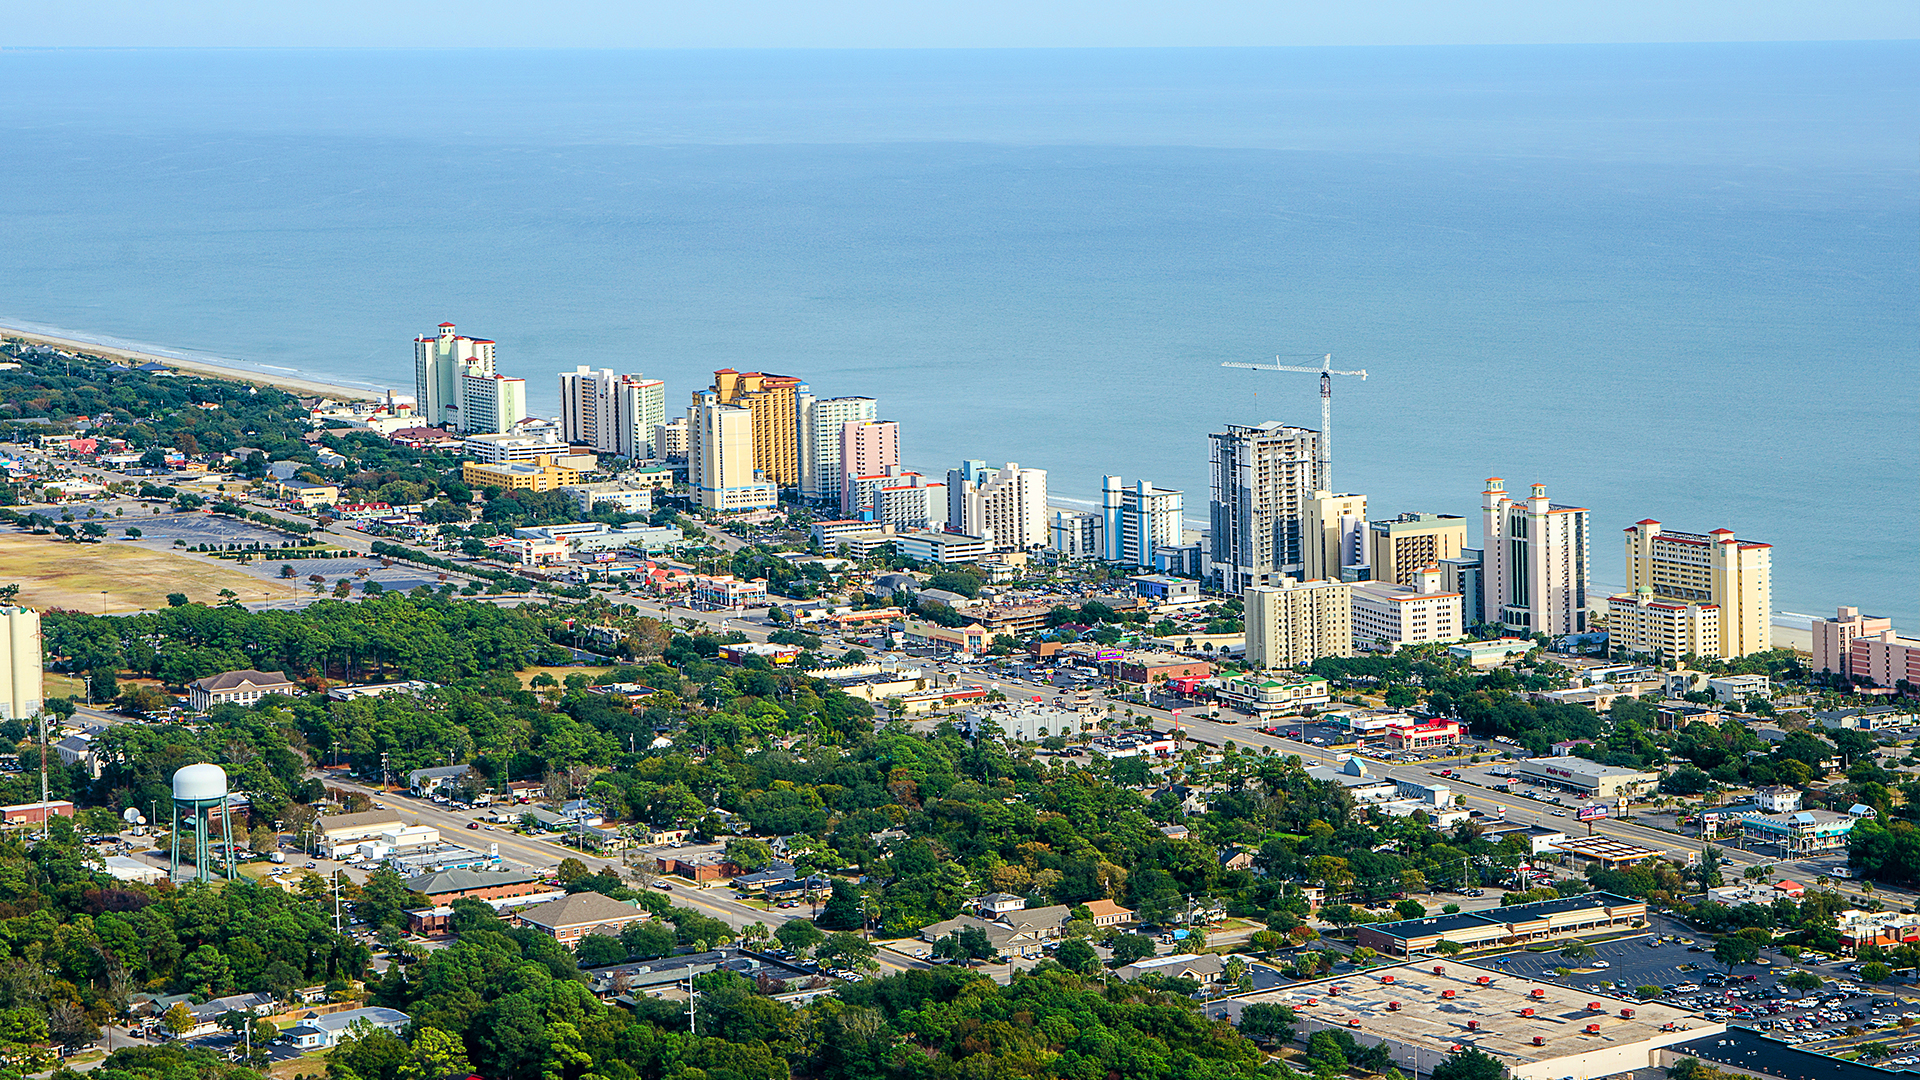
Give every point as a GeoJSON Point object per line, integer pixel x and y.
{"type": "Point", "coordinates": [867, 448]}
{"type": "Point", "coordinates": [1833, 638]}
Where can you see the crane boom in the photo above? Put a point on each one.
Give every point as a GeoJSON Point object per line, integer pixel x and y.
{"type": "Point", "coordinates": [1325, 371]}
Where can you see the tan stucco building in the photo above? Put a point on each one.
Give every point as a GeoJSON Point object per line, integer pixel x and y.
{"type": "Point", "coordinates": [1735, 576]}
{"type": "Point", "coordinates": [1297, 622]}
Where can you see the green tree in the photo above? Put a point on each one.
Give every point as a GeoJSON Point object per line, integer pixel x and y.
{"type": "Point", "coordinates": [1733, 950]}
{"type": "Point", "coordinates": [1127, 948]}
{"type": "Point", "coordinates": [749, 854]}
{"type": "Point", "coordinates": [1802, 980]}
{"type": "Point", "coordinates": [799, 935]}
{"type": "Point", "coordinates": [1875, 973]}
{"type": "Point", "coordinates": [1077, 956]}
{"type": "Point", "coordinates": [1409, 909]}
{"type": "Point", "coordinates": [1469, 1064]}
{"type": "Point", "coordinates": [1266, 1023]}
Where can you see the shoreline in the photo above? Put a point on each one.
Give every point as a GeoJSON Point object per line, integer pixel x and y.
{"type": "Point", "coordinates": [210, 369]}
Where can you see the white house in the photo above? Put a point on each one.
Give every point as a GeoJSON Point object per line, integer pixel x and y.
{"type": "Point", "coordinates": [317, 1031]}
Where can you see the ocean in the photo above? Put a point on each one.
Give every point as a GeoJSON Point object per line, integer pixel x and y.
{"type": "Point", "coordinates": [1674, 282]}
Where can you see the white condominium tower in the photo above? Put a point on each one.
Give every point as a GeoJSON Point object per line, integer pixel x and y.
{"type": "Point", "coordinates": [614, 414]}
{"type": "Point", "coordinates": [1261, 478]}
{"type": "Point", "coordinates": [1137, 520]}
{"type": "Point", "coordinates": [1007, 507]}
{"type": "Point", "coordinates": [21, 690]}
{"type": "Point", "coordinates": [1536, 563]}
{"type": "Point", "coordinates": [1735, 576]}
{"type": "Point", "coordinates": [456, 386]}
{"type": "Point", "coordinates": [820, 421]}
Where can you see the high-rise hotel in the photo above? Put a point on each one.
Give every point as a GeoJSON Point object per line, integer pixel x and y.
{"type": "Point", "coordinates": [1536, 567]}
{"type": "Point", "coordinates": [455, 385]}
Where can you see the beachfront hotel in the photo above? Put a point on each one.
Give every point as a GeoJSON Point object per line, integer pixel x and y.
{"type": "Point", "coordinates": [615, 414]}
{"type": "Point", "coordinates": [1536, 565]}
{"type": "Point", "coordinates": [1673, 578]}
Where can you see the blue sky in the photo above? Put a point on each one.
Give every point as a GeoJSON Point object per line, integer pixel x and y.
{"type": "Point", "coordinates": [937, 23]}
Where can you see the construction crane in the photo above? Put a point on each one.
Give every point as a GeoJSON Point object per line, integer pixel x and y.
{"type": "Point", "coordinates": [1326, 372]}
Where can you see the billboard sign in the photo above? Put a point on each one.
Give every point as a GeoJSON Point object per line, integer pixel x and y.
{"type": "Point", "coordinates": [1109, 654]}
{"type": "Point", "coordinates": [1589, 813]}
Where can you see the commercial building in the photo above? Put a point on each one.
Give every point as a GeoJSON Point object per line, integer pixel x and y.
{"type": "Point", "coordinates": [1537, 562]}
{"type": "Point", "coordinates": [540, 474]}
{"type": "Point", "coordinates": [727, 591]}
{"type": "Point", "coordinates": [1729, 689]}
{"type": "Point", "coordinates": [342, 832]}
{"type": "Point", "coordinates": [1146, 668]}
{"type": "Point", "coordinates": [1800, 832]}
{"type": "Point", "coordinates": [1437, 735]}
{"type": "Point", "coordinates": [1425, 1013]}
{"type": "Point", "coordinates": [1388, 616]}
{"type": "Point", "coordinates": [1297, 622]}
{"type": "Point", "coordinates": [571, 918]}
{"type": "Point", "coordinates": [1400, 548]}
{"type": "Point", "coordinates": [528, 442]}
{"type": "Point", "coordinates": [1735, 576]}
{"type": "Point", "coordinates": [972, 638]}
{"type": "Point", "coordinates": [308, 496]}
{"type": "Point", "coordinates": [614, 414]}
{"type": "Point", "coordinates": [1265, 696]}
{"type": "Point", "coordinates": [35, 813]}
{"type": "Point", "coordinates": [1260, 480]}
{"type": "Point", "coordinates": [1833, 638]}
{"type": "Point", "coordinates": [1006, 507]}
{"type": "Point", "coordinates": [908, 503]}
{"type": "Point", "coordinates": [1333, 537]}
{"type": "Point", "coordinates": [628, 498]}
{"type": "Point", "coordinates": [831, 534]}
{"type": "Point", "coordinates": [1162, 589]}
{"type": "Point", "coordinates": [1592, 913]}
{"type": "Point", "coordinates": [939, 547]}
{"type": "Point", "coordinates": [1491, 654]}
{"type": "Point", "coordinates": [774, 403]}
{"type": "Point", "coordinates": [1078, 535]}
{"type": "Point", "coordinates": [1587, 777]}
{"type": "Point", "coordinates": [821, 422]}
{"type": "Point", "coordinates": [22, 667]}
{"type": "Point", "coordinates": [721, 455]}
{"type": "Point", "coordinates": [441, 363]}
{"type": "Point", "coordinates": [243, 687]}
{"type": "Point", "coordinates": [1640, 624]}
{"type": "Point", "coordinates": [502, 884]}
{"type": "Point", "coordinates": [1137, 520]}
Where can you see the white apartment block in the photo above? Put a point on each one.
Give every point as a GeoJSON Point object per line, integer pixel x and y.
{"type": "Point", "coordinates": [1735, 576]}
{"type": "Point", "coordinates": [1138, 520]}
{"type": "Point", "coordinates": [820, 421]}
{"type": "Point", "coordinates": [614, 414]}
{"type": "Point", "coordinates": [1639, 623]}
{"type": "Point", "coordinates": [1297, 622]}
{"type": "Point", "coordinates": [937, 547]}
{"type": "Point", "coordinates": [1536, 566]}
{"type": "Point", "coordinates": [441, 362]}
{"type": "Point", "coordinates": [1260, 480]}
{"type": "Point", "coordinates": [1079, 536]}
{"type": "Point", "coordinates": [491, 403]}
{"type": "Point", "coordinates": [720, 465]}
{"type": "Point", "coordinates": [910, 504]}
{"type": "Point", "coordinates": [1388, 616]}
{"type": "Point", "coordinates": [1006, 507]}
{"type": "Point", "coordinates": [670, 440]}
{"type": "Point", "coordinates": [1333, 536]}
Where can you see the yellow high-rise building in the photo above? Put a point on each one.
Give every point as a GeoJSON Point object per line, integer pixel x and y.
{"type": "Point", "coordinates": [1735, 576]}
{"type": "Point", "coordinates": [775, 403]}
{"type": "Point", "coordinates": [1298, 622]}
{"type": "Point", "coordinates": [1333, 535]}
{"type": "Point", "coordinates": [1398, 549]}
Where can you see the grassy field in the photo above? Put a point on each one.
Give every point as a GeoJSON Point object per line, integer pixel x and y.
{"type": "Point", "coordinates": [110, 577]}
{"type": "Point", "coordinates": [560, 673]}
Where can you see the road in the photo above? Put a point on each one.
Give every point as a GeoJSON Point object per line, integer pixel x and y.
{"type": "Point", "coordinates": [543, 856]}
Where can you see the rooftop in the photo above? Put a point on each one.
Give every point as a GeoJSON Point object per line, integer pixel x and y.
{"type": "Point", "coordinates": [447, 881]}
{"type": "Point", "coordinates": [1420, 1015]}
{"type": "Point", "coordinates": [579, 910]}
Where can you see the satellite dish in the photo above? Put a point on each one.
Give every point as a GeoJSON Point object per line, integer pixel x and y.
{"type": "Point", "coordinates": [132, 816]}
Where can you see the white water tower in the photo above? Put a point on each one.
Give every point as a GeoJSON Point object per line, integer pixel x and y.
{"type": "Point", "coordinates": [199, 792]}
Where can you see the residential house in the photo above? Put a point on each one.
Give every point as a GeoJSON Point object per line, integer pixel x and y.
{"type": "Point", "coordinates": [318, 1031]}
{"type": "Point", "coordinates": [1200, 967]}
{"type": "Point", "coordinates": [1107, 913]}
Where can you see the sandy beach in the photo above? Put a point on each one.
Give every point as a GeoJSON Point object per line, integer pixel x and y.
{"type": "Point", "coordinates": [294, 384]}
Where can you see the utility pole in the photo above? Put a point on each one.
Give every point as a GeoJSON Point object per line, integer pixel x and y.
{"type": "Point", "coordinates": [693, 1016]}
{"type": "Point", "coordinates": [44, 808]}
{"type": "Point", "coordinates": [383, 772]}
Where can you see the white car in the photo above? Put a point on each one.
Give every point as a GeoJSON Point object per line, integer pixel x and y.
{"type": "Point", "coordinates": [1601, 964]}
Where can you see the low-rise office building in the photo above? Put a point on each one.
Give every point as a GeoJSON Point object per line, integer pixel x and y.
{"type": "Point", "coordinates": [242, 687]}
{"type": "Point", "coordinates": [573, 917]}
{"type": "Point", "coordinates": [540, 474]}
{"type": "Point", "coordinates": [1264, 696]}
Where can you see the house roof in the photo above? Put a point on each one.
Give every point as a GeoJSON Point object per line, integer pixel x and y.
{"type": "Point", "coordinates": [580, 909]}
{"type": "Point", "coordinates": [246, 678]}
{"type": "Point", "coordinates": [1037, 918]}
{"type": "Point", "coordinates": [1101, 908]}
